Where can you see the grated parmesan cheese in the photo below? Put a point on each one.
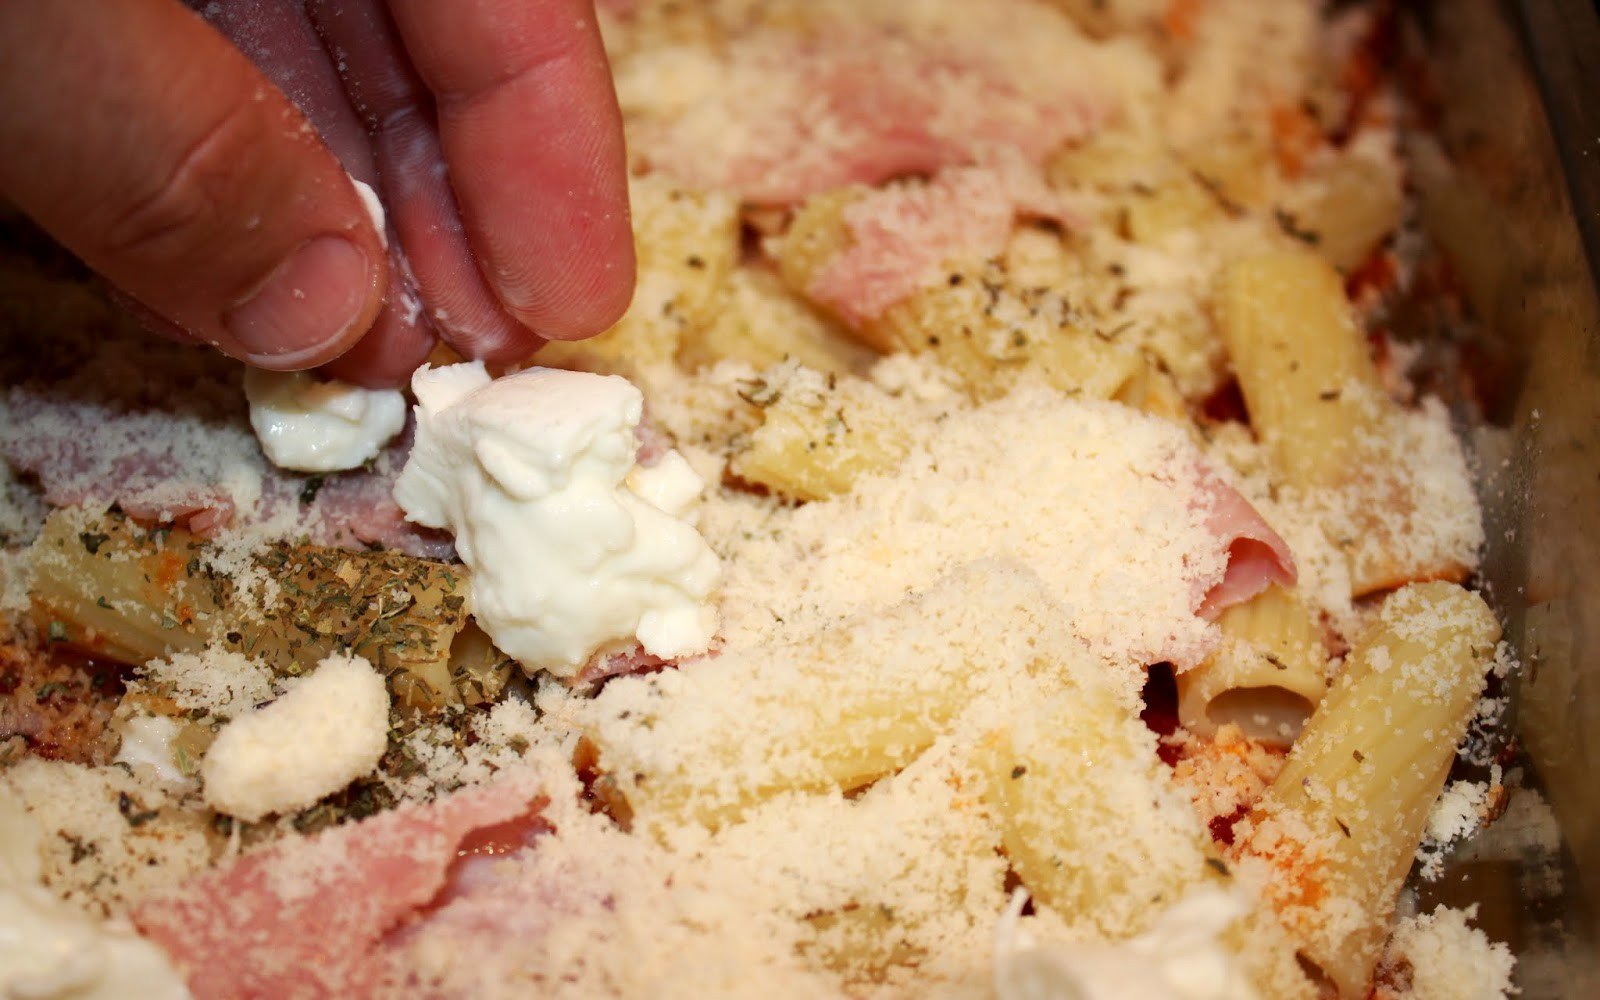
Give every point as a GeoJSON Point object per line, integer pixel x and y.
{"type": "Point", "coordinates": [1094, 498]}
{"type": "Point", "coordinates": [1448, 959]}
{"type": "Point", "coordinates": [995, 585]}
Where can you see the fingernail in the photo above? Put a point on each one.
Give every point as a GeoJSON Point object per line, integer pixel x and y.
{"type": "Point", "coordinates": [310, 301]}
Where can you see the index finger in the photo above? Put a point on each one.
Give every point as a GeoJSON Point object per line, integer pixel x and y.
{"type": "Point", "coordinates": [529, 125]}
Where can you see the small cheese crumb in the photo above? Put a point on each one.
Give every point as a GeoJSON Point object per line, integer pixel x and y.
{"type": "Point", "coordinates": [1447, 959]}
{"type": "Point", "coordinates": [313, 425]}
{"type": "Point", "coordinates": [374, 206]}
{"type": "Point", "coordinates": [147, 744]}
{"type": "Point", "coordinates": [326, 731]}
{"type": "Point", "coordinates": [1456, 814]}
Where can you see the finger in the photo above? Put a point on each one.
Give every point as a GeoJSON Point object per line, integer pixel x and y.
{"type": "Point", "coordinates": [284, 45]}
{"type": "Point", "coordinates": [398, 343]}
{"type": "Point", "coordinates": [278, 38]}
{"type": "Point", "coordinates": [155, 151]}
{"type": "Point", "coordinates": [416, 186]}
{"type": "Point", "coordinates": [530, 128]}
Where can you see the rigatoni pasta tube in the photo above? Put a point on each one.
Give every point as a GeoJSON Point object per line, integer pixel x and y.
{"type": "Point", "coordinates": [1316, 403]}
{"type": "Point", "coordinates": [837, 710]}
{"type": "Point", "coordinates": [1267, 676]}
{"type": "Point", "coordinates": [759, 320]}
{"type": "Point", "coordinates": [1069, 782]}
{"type": "Point", "coordinates": [1354, 203]}
{"type": "Point", "coordinates": [1302, 364]}
{"type": "Point", "coordinates": [989, 331]}
{"type": "Point", "coordinates": [111, 587]}
{"type": "Point", "coordinates": [818, 435]}
{"type": "Point", "coordinates": [1342, 821]}
{"type": "Point", "coordinates": [115, 590]}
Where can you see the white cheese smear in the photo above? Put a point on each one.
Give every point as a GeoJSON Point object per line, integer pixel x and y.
{"type": "Point", "coordinates": [327, 730]}
{"type": "Point", "coordinates": [309, 424]}
{"type": "Point", "coordinates": [374, 206]}
{"type": "Point", "coordinates": [51, 951]}
{"type": "Point", "coordinates": [574, 549]}
{"type": "Point", "coordinates": [147, 746]}
{"type": "Point", "coordinates": [1178, 958]}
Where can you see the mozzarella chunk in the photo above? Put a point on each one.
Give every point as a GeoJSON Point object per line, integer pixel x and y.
{"type": "Point", "coordinates": [574, 550]}
{"type": "Point", "coordinates": [311, 425]}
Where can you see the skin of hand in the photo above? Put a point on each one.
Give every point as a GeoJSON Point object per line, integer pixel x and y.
{"type": "Point", "coordinates": [203, 164]}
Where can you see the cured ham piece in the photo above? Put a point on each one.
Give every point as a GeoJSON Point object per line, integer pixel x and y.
{"type": "Point", "coordinates": [308, 918]}
{"type": "Point", "coordinates": [159, 467]}
{"type": "Point", "coordinates": [903, 237]}
{"type": "Point", "coordinates": [165, 466]}
{"type": "Point", "coordinates": [786, 114]}
{"type": "Point", "coordinates": [633, 660]}
{"type": "Point", "coordinates": [1257, 556]}
{"type": "Point", "coordinates": [357, 508]}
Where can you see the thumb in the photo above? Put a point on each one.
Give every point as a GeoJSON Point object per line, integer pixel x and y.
{"type": "Point", "coordinates": [148, 145]}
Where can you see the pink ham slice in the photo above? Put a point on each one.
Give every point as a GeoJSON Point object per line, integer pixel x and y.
{"type": "Point", "coordinates": [163, 469]}
{"type": "Point", "coordinates": [307, 919]}
{"type": "Point", "coordinates": [633, 660]}
{"type": "Point", "coordinates": [357, 508]}
{"type": "Point", "coordinates": [797, 113]}
{"type": "Point", "coordinates": [903, 237]}
{"type": "Point", "coordinates": [1257, 556]}
{"type": "Point", "coordinates": [86, 452]}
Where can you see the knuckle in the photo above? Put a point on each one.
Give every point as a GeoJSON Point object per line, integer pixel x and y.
{"type": "Point", "coordinates": [177, 214]}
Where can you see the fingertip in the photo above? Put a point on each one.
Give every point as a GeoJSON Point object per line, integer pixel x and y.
{"type": "Point", "coordinates": [580, 279]}
{"type": "Point", "coordinates": [398, 342]}
{"type": "Point", "coordinates": [587, 295]}
{"type": "Point", "coordinates": [188, 181]}
{"type": "Point", "coordinates": [310, 309]}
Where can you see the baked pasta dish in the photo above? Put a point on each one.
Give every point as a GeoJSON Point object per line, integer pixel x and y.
{"type": "Point", "coordinates": [1003, 551]}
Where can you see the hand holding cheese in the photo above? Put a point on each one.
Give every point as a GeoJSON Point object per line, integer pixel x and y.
{"type": "Point", "coordinates": [213, 183]}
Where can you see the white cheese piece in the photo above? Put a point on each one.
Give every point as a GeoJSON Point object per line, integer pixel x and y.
{"type": "Point", "coordinates": [327, 730]}
{"type": "Point", "coordinates": [1178, 958]}
{"type": "Point", "coordinates": [670, 485]}
{"type": "Point", "coordinates": [314, 425]}
{"type": "Point", "coordinates": [1457, 812]}
{"type": "Point", "coordinates": [573, 550]}
{"type": "Point", "coordinates": [147, 746]}
{"type": "Point", "coordinates": [1450, 959]}
{"type": "Point", "coordinates": [50, 950]}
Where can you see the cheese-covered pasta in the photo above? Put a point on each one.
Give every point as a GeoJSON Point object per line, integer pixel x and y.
{"type": "Point", "coordinates": [997, 552]}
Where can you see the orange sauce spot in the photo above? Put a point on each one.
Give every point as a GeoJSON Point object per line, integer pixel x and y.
{"type": "Point", "coordinates": [1300, 888]}
{"type": "Point", "coordinates": [1295, 136]}
{"type": "Point", "coordinates": [168, 569]}
{"type": "Point", "coordinates": [1375, 276]}
{"type": "Point", "coordinates": [1180, 19]}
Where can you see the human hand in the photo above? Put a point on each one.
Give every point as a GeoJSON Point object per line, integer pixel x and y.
{"type": "Point", "coordinates": [169, 158]}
